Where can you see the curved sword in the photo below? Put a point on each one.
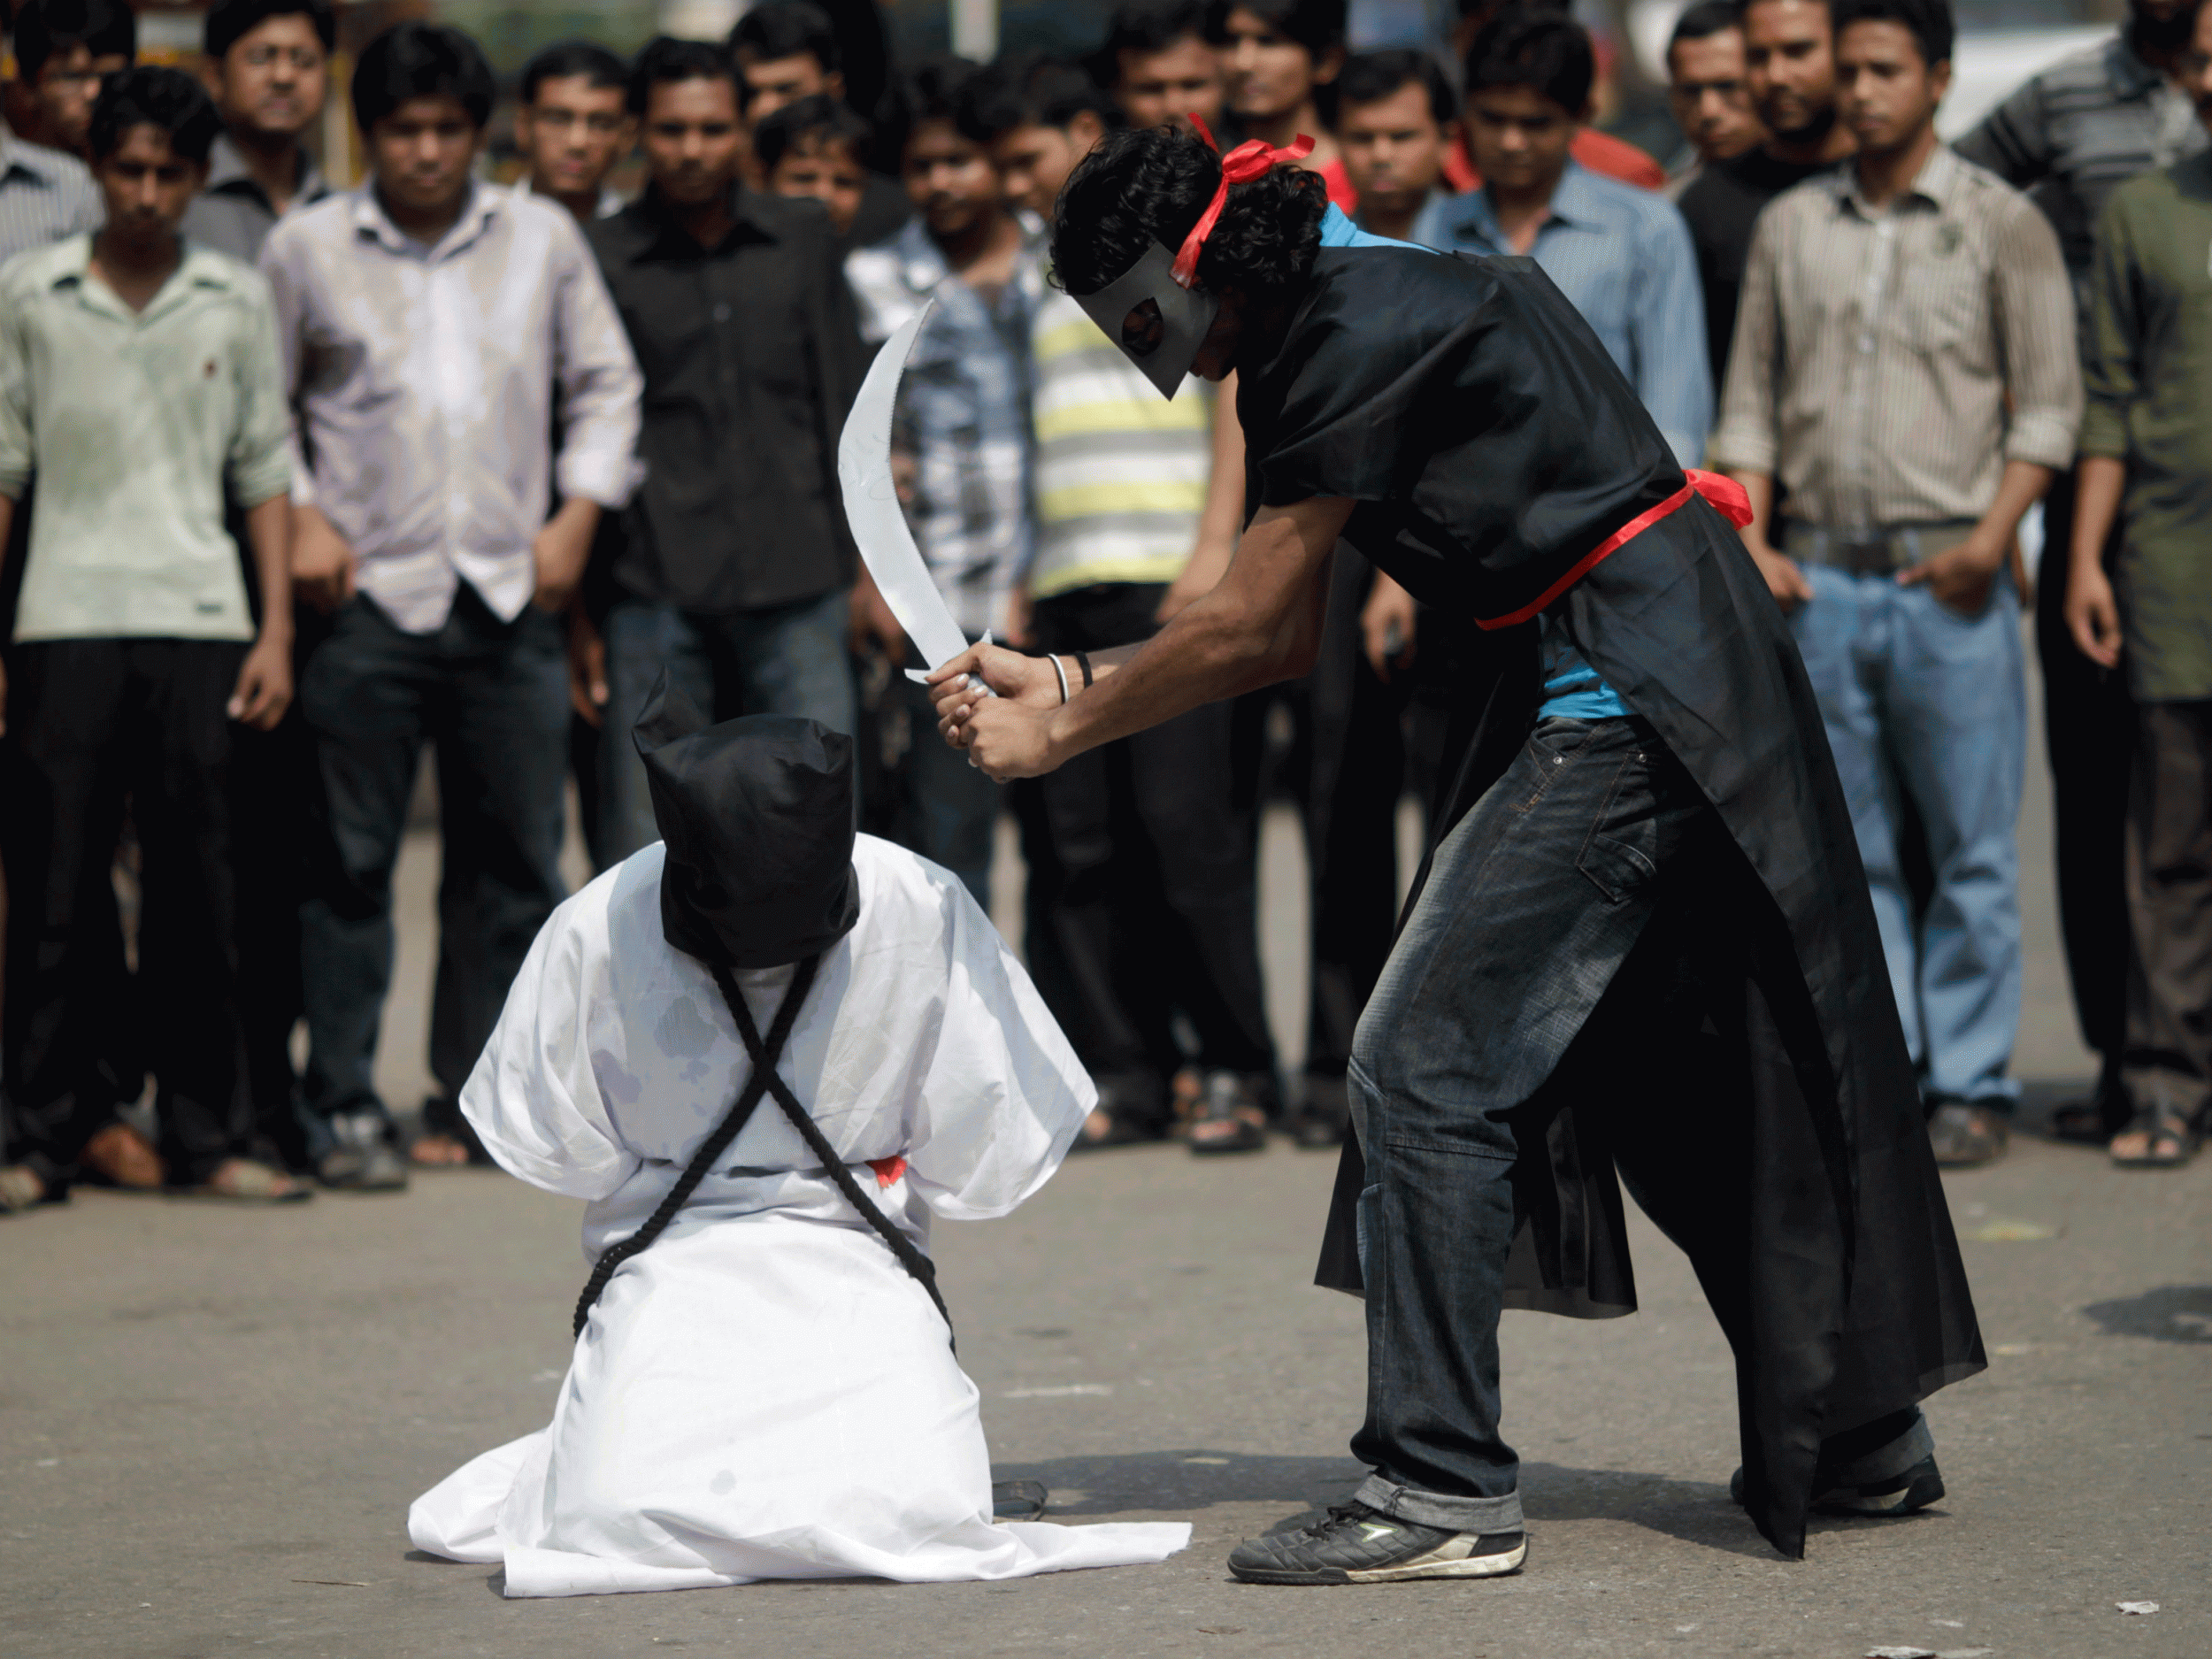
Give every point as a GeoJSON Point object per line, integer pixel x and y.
{"type": "Point", "coordinates": [871, 507]}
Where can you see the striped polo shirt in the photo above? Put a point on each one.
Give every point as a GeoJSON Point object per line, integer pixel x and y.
{"type": "Point", "coordinates": [1120, 470]}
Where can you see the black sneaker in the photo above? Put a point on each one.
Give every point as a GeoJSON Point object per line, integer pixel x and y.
{"type": "Point", "coordinates": [1357, 1545]}
{"type": "Point", "coordinates": [363, 1158]}
{"type": "Point", "coordinates": [1323, 1121]}
{"type": "Point", "coordinates": [1900, 1495]}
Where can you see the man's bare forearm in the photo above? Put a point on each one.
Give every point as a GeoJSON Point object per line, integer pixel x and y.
{"type": "Point", "coordinates": [1760, 488]}
{"type": "Point", "coordinates": [2024, 484]}
{"type": "Point", "coordinates": [269, 531]}
{"type": "Point", "coordinates": [2103, 481]}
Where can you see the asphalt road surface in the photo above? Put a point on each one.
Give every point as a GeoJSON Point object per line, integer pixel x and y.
{"type": "Point", "coordinates": [212, 1420]}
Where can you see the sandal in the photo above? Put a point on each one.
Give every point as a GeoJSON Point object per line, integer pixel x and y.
{"type": "Point", "coordinates": [249, 1181]}
{"type": "Point", "coordinates": [120, 1157]}
{"type": "Point", "coordinates": [455, 1148]}
{"type": "Point", "coordinates": [1105, 1127]}
{"type": "Point", "coordinates": [2169, 1142]}
{"type": "Point", "coordinates": [20, 1188]}
{"type": "Point", "coordinates": [1228, 1117]}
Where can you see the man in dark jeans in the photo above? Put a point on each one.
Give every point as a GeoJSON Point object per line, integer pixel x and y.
{"type": "Point", "coordinates": [433, 329]}
{"type": "Point", "coordinates": [2071, 136]}
{"type": "Point", "coordinates": [734, 573]}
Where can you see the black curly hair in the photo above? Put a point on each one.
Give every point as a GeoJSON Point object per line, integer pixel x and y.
{"type": "Point", "coordinates": [1151, 185]}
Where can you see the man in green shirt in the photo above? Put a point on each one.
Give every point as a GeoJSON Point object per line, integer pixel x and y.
{"type": "Point", "coordinates": [139, 376]}
{"type": "Point", "coordinates": [2147, 436]}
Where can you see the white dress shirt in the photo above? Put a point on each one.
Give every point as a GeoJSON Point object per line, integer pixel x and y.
{"type": "Point", "coordinates": [422, 381]}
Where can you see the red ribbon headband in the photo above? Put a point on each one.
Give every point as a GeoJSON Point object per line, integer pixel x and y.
{"type": "Point", "coordinates": [1247, 161]}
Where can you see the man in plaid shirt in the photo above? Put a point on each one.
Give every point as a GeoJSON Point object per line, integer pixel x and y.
{"type": "Point", "coordinates": [963, 417]}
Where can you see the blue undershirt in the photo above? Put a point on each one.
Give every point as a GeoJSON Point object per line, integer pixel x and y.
{"type": "Point", "coordinates": [1572, 686]}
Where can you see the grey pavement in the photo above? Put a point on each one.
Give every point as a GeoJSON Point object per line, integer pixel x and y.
{"type": "Point", "coordinates": [211, 1419]}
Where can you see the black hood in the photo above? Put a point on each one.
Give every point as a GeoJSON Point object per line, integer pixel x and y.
{"type": "Point", "coordinates": [757, 814]}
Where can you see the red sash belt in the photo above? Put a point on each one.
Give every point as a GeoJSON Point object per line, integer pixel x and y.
{"type": "Point", "coordinates": [1725, 493]}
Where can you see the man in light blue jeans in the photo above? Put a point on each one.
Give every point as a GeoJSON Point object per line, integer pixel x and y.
{"type": "Point", "coordinates": [1926, 703]}
{"type": "Point", "coordinates": [1903, 386]}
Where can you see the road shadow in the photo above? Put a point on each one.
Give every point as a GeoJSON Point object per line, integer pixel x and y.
{"type": "Point", "coordinates": [2040, 1097]}
{"type": "Point", "coordinates": [1697, 1512]}
{"type": "Point", "coordinates": [2173, 1313]}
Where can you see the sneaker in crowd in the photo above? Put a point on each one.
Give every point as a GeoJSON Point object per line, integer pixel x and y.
{"type": "Point", "coordinates": [1325, 1117]}
{"type": "Point", "coordinates": [1965, 1136]}
{"type": "Point", "coordinates": [1359, 1545]}
{"type": "Point", "coordinates": [364, 1159]}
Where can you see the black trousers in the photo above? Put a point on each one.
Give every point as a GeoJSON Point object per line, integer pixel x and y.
{"type": "Point", "coordinates": [2089, 728]}
{"type": "Point", "coordinates": [2167, 1067]}
{"type": "Point", "coordinates": [95, 723]}
{"type": "Point", "coordinates": [1357, 743]}
{"type": "Point", "coordinates": [1146, 904]}
{"type": "Point", "coordinates": [276, 819]}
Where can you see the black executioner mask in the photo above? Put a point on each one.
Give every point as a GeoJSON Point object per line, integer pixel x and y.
{"type": "Point", "coordinates": [757, 815]}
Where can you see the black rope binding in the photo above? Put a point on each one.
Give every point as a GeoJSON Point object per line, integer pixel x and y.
{"type": "Point", "coordinates": [911, 1259]}
{"type": "Point", "coordinates": [717, 1143]}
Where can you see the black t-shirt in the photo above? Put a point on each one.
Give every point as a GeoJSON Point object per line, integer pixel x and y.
{"type": "Point", "coordinates": [1483, 430]}
{"type": "Point", "coordinates": [751, 356]}
{"type": "Point", "coordinates": [1722, 204]}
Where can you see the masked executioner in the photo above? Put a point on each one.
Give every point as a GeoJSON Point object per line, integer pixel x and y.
{"type": "Point", "coordinates": [767, 1052]}
{"type": "Point", "coordinates": [1642, 937]}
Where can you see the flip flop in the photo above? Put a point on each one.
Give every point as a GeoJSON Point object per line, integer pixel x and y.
{"type": "Point", "coordinates": [120, 1157]}
{"type": "Point", "coordinates": [2169, 1142]}
{"type": "Point", "coordinates": [20, 1188]}
{"type": "Point", "coordinates": [247, 1181]}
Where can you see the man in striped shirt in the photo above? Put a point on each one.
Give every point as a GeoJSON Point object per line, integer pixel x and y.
{"type": "Point", "coordinates": [1904, 367]}
{"type": "Point", "coordinates": [1144, 860]}
{"type": "Point", "coordinates": [2073, 135]}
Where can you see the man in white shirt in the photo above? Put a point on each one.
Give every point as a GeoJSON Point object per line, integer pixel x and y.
{"type": "Point", "coordinates": [433, 329]}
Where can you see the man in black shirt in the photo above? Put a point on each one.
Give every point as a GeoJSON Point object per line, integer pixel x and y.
{"type": "Point", "coordinates": [1789, 58]}
{"type": "Point", "coordinates": [733, 570]}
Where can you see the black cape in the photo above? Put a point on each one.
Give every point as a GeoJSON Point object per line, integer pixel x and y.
{"type": "Point", "coordinates": [1746, 1071]}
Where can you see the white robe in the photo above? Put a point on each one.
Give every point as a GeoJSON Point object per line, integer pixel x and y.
{"type": "Point", "coordinates": [764, 1392]}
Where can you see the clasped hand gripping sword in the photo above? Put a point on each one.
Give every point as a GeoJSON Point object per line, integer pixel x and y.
{"type": "Point", "coordinates": [879, 526]}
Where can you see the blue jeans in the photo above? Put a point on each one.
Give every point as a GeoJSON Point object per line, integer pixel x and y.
{"type": "Point", "coordinates": [1533, 901]}
{"type": "Point", "coordinates": [1924, 702]}
{"type": "Point", "coordinates": [788, 659]}
{"type": "Point", "coordinates": [492, 696]}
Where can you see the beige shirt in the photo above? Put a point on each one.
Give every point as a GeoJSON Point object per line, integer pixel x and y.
{"type": "Point", "coordinates": [1876, 348]}
{"type": "Point", "coordinates": [134, 423]}
{"type": "Point", "coordinates": [427, 382]}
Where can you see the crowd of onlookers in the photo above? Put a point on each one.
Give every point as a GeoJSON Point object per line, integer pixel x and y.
{"type": "Point", "coordinates": [298, 481]}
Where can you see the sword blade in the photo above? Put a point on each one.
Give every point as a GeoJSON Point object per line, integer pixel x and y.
{"type": "Point", "coordinates": [871, 505]}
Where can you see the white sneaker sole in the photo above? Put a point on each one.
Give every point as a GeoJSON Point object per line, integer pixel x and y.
{"type": "Point", "coordinates": [1437, 1566]}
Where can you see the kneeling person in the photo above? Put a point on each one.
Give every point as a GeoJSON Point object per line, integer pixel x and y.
{"type": "Point", "coordinates": [769, 1391]}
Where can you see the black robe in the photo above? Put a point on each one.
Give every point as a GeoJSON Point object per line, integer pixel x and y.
{"type": "Point", "coordinates": [1746, 1071]}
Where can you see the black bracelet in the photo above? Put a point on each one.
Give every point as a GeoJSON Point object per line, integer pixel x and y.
{"type": "Point", "coordinates": [1083, 662]}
